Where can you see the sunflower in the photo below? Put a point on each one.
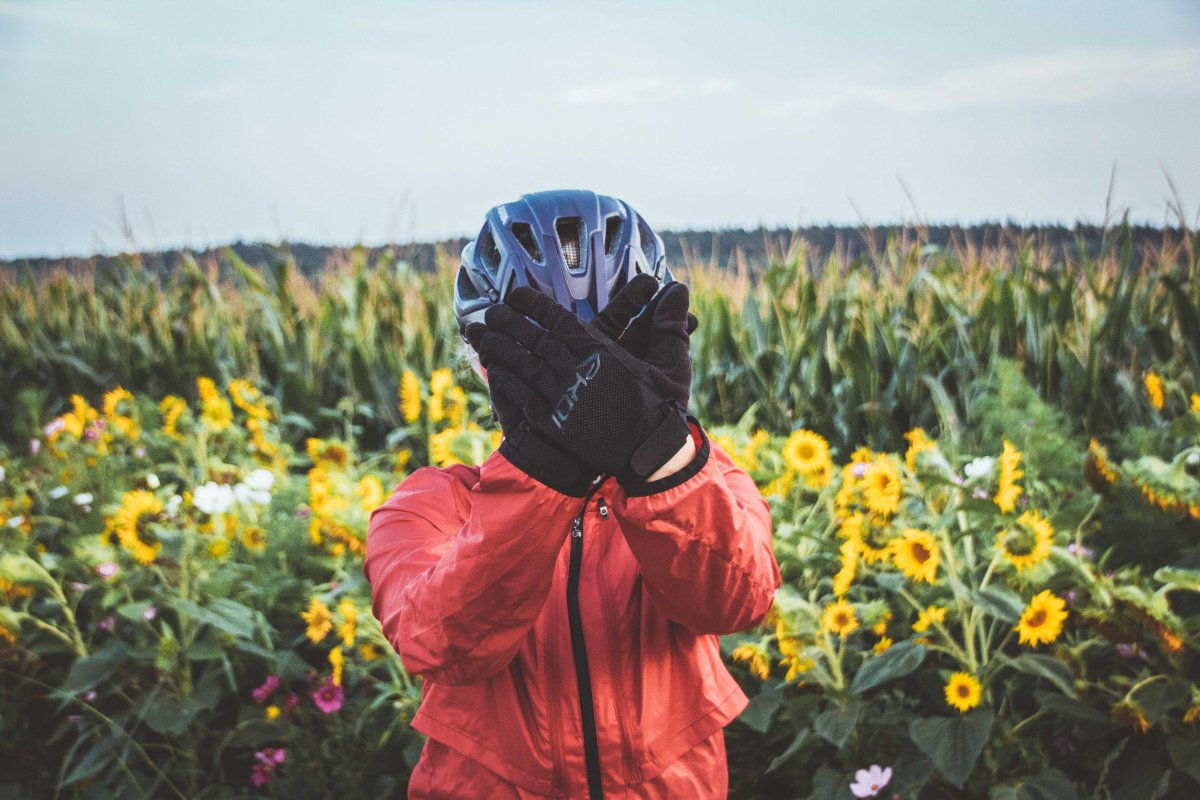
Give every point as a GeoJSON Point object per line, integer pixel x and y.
{"type": "Point", "coordinates": [215, 409]}
{"type": "Point", "coordinates": [839, 618]}
{"type": "Point", "coordinates": [930, 616]}
{"type": "Point", "coordinates": [915, 553]}
{"type": "Point", "coordinates": [781, 486]}
{"type": "Point", "coordinates": [403, 456]}
{"type": "Point", "coordinates": [330, 452]}
{"type": "Point", "coordinates": [747, 456]}
{"type": "Point", "coordinates": [1041, 621]}
{"type": "Point", "coordinates": [410, 396]}
{"type": "Point", "coordinates": [1006, 495]}
{"type": "Point", "coordinates": [439, 448]}
{"type": "Point", "coordinates": [319, 620]}
{"type": "Point", "coordinates": [963, 691]}
{"type": "Point", "coordinates": [1127, 712]}
{"type": "Point", "coordinates": [847, 494]}
{"type": "Point", "coordinates": [439, 382]}
{"type": "Point", "coordinates": [246, 396]}
{"type": "Point", "coordinates": [806, 452]}
{"type": "Point", "coordinates": [336, 660]}
{"type": "Point", "coordinates": [918, 442]}
{"type": "Point", "coordinates": [254, 538]}
{"type": "Point", "coordinates": [369, 491]}
{"type": "Point", "coordinates": [1097, 468]}
{"type": "Point", "coordinates": [458, 406]}
{"type": "Point", "coordinates": [792, 648]}
{"type": "Point", "coordinates": [122, 422]}
{"type": "Point", "coordinates": [881, 486]}
{"type": "Point", "coordinates": [130, 523]}
{"type": "Point", "coordinates": [755, 658]}
{"type": "Point", "coordinates": [1027, 543]}
{"type": "Point", "coordinates": [883, 644]}
{"type": "Point", "coordinates": [349, 615]}
{"type": "Point", "coordinates": [845, 575]}
{"type": "Point", "coordinates": [876, 538]}
{"type": "Point", "coordinates": [171, 407]}
{"type": "Point", "coordinates": [1154, 390]}
{"type": "Point", "coordinates": [819, 478]}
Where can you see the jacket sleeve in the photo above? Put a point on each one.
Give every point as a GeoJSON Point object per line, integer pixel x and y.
{"type": "Point", "coordinates": [702, 538]}
{"type": "Point", "coordinates": [459, 573]}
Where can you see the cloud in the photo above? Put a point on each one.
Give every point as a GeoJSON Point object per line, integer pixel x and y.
{"type": "Point", "coordinates": [1063, 77]}
{"type": "Point", "coordinates": [640, 90]}
{"type": "Point", "coordinates": [73, 19]}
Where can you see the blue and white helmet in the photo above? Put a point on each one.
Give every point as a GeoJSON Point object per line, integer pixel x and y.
{"type": "Point", "coordinates": [577, 247]}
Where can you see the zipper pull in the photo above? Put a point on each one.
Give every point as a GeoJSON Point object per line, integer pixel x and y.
{"type": "Point", "coordinates": [577, 528]}
{"type": "Point", "coordinates": [603, 509]}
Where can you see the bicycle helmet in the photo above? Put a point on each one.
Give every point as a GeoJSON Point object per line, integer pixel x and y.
{"type": "Point", "coordinates": [577, 247]}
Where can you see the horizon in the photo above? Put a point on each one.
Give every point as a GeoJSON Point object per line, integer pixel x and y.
{"type": "Point", "coordinates": [135, 126]}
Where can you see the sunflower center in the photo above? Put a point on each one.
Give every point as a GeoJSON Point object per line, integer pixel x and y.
{"type": "Point", "coordinates": [1019, 541]}
{"type": "Point", "coordinates": [918, 552]}
{"type": "Point", "coordinates": [842, 619]}
{"type": "Point", "coordinates": [964, 691]}
{"type": "Point", "coordinates": [1037, 618]}
{"type": "Point", "coordinates": [879, 537]}
{"type": "Point", "coordinates": [806, 451]}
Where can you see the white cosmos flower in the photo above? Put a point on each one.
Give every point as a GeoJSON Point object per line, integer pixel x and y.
{"type": "Point", "coordinates": [57, 492]}
{"type": "Point", "coordinates": [979, 467]}
{"type": "Point", "coordinates": [173, 505]}
{"type": "Point", "coordinates": [255, 489]}
{"type": "Point", "coordinates": [870, 782]}
{"type": "Point", "coordinates": [213, 498]}
{"type": "Point", "coordinates": [83, 498]}
{"type": "Point", "coordinates": [2, 472]}
{"type": "Point", "coordinates": [152, 481]}
{"type": "Point", "coordinates": [260, 478]}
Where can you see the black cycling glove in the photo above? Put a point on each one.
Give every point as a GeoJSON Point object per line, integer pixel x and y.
{"type": "Point", "coordinates": [629, 315]}
{"type": "Point", "coordinates": [577, 388]}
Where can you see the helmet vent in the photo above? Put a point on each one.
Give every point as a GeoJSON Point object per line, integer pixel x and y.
{"type": "Point", "coordinates": [524, 234]}
{"type": "Point", "coordinates": [647, 243]}
{"type": "Point", "coordinates": [491, 256]}
{"type": "Point", "coordinates": [466, 289]}
{"type": "Point", "coordinates": [612, 234]}
{"type": "Point", "coordinates": [569, 230]}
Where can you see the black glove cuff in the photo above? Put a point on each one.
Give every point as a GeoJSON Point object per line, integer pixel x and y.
{"type": "Point", "coordinates": [545, 463]}
{"type": "Point", "coordinates": [635, 488]}
{"type": "Point", "coordinates": [659, 447]}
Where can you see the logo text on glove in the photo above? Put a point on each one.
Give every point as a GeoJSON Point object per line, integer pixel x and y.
{"type": "Point", "coordinates": [586, 370]}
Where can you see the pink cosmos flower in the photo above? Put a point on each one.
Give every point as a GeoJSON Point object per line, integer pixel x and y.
{"type": "Point", "coordinates": [328, 696]}
{"type": "Point", "coordinates": [266, 760]}
{"type": "Point", "coordinates": [269, 685]}
{"type": "Point", "coordinates": [291, 702]}
{"type": "Point", "coordinates": [108, 623]}
{"type": "Point", "coordinates": [35, 446]}
{"type": "Point", "coordinates": [150, 613]}
{"type": "Point", "coordinates": [107, 569]}
{"type": "Point", "coordinates": [869, 782]}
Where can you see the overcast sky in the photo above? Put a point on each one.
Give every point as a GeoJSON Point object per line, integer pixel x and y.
{"type": "Point", "coordinates": [388, 121]}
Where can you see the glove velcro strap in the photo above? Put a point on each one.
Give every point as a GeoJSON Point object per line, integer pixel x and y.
{"type": "Point", "coordinates": [544, 462]}
{"type": "Point", "coordinates": [662, 443]}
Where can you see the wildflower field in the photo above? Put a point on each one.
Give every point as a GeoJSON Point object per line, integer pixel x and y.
{"type": "Point", "coordinates": [983, 466]}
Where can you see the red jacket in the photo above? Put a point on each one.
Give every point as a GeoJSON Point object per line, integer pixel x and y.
{"type": "Point", "coordinates": [514, 601]}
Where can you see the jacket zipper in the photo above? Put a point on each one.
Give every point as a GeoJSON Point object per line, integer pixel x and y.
{"type": "Point", "coordinates": [587, 714]}
{"type": "Point", "coordinates": [632, 769]}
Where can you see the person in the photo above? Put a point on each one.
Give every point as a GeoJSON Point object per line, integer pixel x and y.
{"type": "Point", "coordinates": [562, 602]}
